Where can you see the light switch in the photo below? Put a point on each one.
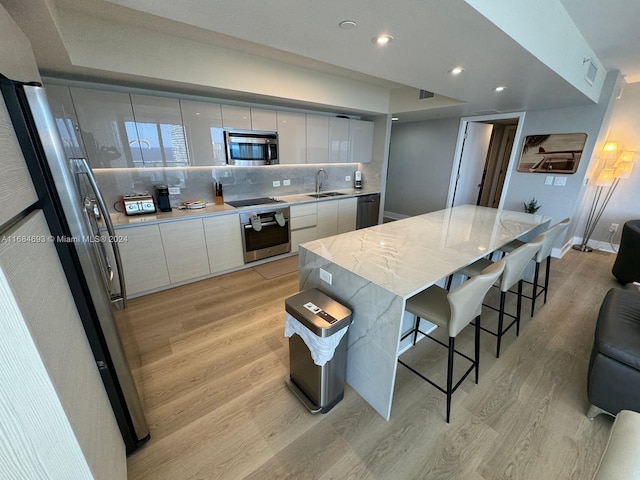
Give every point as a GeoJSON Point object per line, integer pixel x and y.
{"type": "Point", "coordinates": [560, 181]}
{"type": "Point", "coordinates": [174, 190]}
{"type": "Point", "coordinates": [276, 183]}
{"type": "Point", "coordinates": [548, 180]}
{"type": "Point", "coordinates": [286, 183]}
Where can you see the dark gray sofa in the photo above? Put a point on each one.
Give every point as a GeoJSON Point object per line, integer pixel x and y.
{"type": "Point", "coordinates": [614, 369]}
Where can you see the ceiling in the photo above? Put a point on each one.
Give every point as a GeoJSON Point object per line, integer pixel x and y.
{"type": "Point", "coordinates": [430, 38]}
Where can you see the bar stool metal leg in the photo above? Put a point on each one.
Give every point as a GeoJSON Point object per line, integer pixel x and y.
{"type": "Point", "coordinates": [535, 288]}
{"type": "Point", "coordinates": [450, 376]}
{"type": "Point", "coordinates": [477, 348]}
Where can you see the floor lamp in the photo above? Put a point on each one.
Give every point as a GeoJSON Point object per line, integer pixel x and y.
{"type": "Point", "coordinates": [607, 179]}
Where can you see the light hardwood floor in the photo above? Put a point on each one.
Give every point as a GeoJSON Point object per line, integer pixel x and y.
{"type": "Point", "coordinates": [214, 359]}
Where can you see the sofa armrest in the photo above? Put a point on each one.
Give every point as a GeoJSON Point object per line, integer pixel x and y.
{"type": "Point", "coordinates": [620, 460]}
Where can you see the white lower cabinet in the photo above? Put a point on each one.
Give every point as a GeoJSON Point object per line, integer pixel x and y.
{"type": "Point", "coordinates": [143, 261]}
{"type": "Point", "coordinates": [322, 219]}
{"type": "Point", "coordinates": [224, 242]}
{"type": "Point", "coordinates": [347, 213]}
{"type": "Point", "coordinates": [157, 256]}
{"type": "Point", "coordinates": [304, 224]}
{"type": "Point", "coordinates": [327, 219]}
{"type": "Point", "coordinates": [185, 249]}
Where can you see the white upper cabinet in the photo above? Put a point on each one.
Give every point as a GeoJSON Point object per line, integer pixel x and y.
{"type": "Point", "coordinates": [236, 118]}
{"type": "Point", "coordinates": [292, 137]}
{"type": "Point", "coordinates": [360, 141]}
{"type": "Point", "coordinates": [264, 120]}
{"type": "Point", "coordinates": [203, 129]}
{"type": "Point", "coordinates": [317, 139]}
{"type": "Point", "coordinates": [64, 113]}
{"type": "Point", "coordinates": [160, 131]}
{"type": "Point", "coordinates": [107, 127]}
{"type": "Point", "coordinates": [338, 140]}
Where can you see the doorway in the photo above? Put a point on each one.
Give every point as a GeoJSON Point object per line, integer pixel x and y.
{"type": "Point", "coordinates": [484, 159]}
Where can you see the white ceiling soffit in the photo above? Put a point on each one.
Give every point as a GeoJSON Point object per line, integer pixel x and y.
{"type": "Point", "coordinates": [611, 29]}
{"type": "Point", "coordinates": [430, 38]}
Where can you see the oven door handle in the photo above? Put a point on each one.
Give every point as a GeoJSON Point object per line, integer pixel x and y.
{"type": "Point", "coordinates": [267, 224]}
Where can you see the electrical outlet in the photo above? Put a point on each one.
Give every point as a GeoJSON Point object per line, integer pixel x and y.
{"type": "Point", "coordinates": [286, 183]}
{"type": "Point", "coordinates": [326, 276]}
{"type": "Point", "coordinates": [276, 183]}
{"type": "Point", "coordinates": [613, 228]}
{"type": "Point", "coordinates": [174, 190]}
{"type": "Point", "coordinates": [347, 178]}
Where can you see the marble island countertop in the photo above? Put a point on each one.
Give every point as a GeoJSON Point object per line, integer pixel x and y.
{"type": "Point", "coordinates": [374, 270]}
{"type": "Point", "coordinates": [407, 255]}
{"type": "Point", "coordinates": [122, 220]}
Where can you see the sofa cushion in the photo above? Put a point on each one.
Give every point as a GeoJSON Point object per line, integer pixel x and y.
{"type": "Point", "coordinates": [620, 460]}
{"type": "Point", "coordinates": [618, 328]}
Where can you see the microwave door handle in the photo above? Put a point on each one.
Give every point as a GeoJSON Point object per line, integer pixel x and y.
{"type": "Point", "coordinates": [268, 147]}
{"type": "Point", "coordinates": [119, 301]}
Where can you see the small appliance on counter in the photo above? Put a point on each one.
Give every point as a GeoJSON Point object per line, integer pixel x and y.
{"type": "Point", "coordinates": [138, 203]}
{"type": "Point", "coordinates": [357, 179]}
{"type": "Point", "coordinates": [162, 198]}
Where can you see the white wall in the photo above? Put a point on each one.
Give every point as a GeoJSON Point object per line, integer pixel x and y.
{"type": "Point", "coordinates": [422, 154]}
{"type": "Point", "coordinates": [420, 161]}
{"type": "Point", "coordinates": [624, 128]}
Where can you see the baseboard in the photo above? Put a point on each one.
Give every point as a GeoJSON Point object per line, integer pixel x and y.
{"type": "Point", "coordinates": [601, 245]}
{"type": "Point", "coordinates": [394, 215]}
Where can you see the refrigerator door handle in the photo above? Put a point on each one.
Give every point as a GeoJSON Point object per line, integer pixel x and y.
{"type": "Point", "coordinates": [96, 238]}
{"type": "Point", "coordinates": [82, 167]}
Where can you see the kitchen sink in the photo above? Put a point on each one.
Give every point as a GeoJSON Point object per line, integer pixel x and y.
{"type": "Point", "coordinates": [325, 194]}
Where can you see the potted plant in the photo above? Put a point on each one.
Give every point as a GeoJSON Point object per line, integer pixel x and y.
{"type": "Point", "coordinates": [532, 206]}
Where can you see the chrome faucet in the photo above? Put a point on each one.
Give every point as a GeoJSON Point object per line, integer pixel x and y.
{"type": "Point", "coordinates": [319, 183]}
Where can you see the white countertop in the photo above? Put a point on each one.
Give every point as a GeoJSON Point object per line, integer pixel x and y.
{"type": "Point", "coordinates": [122, 220]}
{"type": "Point", "coordinates": [406, 256]}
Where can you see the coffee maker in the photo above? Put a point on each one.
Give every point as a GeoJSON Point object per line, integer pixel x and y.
{"type": "Point", "coordinates": [357, 180]}
{"type": "Point", "coordinates": [162, 198]}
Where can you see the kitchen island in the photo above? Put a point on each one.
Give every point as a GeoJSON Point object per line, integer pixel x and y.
{"type": "Point", "coordinates": [375, 270]}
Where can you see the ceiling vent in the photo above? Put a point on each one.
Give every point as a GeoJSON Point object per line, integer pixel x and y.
{"type": "Point", "coordinates": [592, 71]}
{"type": "Point", "coordinates": [425, 94]}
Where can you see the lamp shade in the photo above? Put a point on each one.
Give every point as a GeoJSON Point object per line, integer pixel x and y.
{"type": "Point", "coordinates": [625, 157]}
{"type": "Point", "coordinates": [623, 170]}
{"type": "Point", "coordinates": [609, 151]}
{"type": "Point", "coordinates": [605, 178]}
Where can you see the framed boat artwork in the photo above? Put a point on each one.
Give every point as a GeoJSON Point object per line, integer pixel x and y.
{"type": "Point", "coordinates": [553, 153]}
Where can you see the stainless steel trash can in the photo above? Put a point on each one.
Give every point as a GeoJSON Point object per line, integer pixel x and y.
{"type": "Point", "coordinates": [318, 387]}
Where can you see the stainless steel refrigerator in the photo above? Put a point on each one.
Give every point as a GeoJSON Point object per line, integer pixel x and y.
{"type": "Point", "coordinates": [79, 225]}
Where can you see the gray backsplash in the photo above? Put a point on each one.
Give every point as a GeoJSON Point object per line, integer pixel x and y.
{"type": "Point", "coordinates": [196, 183]}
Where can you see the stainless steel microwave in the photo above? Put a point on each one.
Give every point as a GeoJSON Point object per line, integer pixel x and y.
{"type": "Point", "coordinates": [248, 149]}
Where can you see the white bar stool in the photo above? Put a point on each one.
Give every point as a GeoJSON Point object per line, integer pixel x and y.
{"type": "Point", "coordinates": [551, 235]}
{"type": "Point", "coordinates": [453, 310]}
{"type": "Point", "coordinates": [515, 264]}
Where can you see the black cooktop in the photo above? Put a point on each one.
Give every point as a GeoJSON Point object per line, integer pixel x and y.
{"type": "Point", "coordinates": [253, 201]}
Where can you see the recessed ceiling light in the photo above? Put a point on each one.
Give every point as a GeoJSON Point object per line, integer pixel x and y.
{"type": "Point", "coordinates": [347, 24]}
{"type": "Point", "coordinates": [456, 71]}
{"type": "Point", "coordinates": [394, 119]}
{"type": "Point", "coordinates": [382, 40]}
{"type": "Point", "coordinates": [500, 89]}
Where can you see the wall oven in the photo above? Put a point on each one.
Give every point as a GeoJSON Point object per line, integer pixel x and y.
{"type": "Point", "coordinates": [265, 233]}
{"type": "Point", "coordinates": [250, 149]}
